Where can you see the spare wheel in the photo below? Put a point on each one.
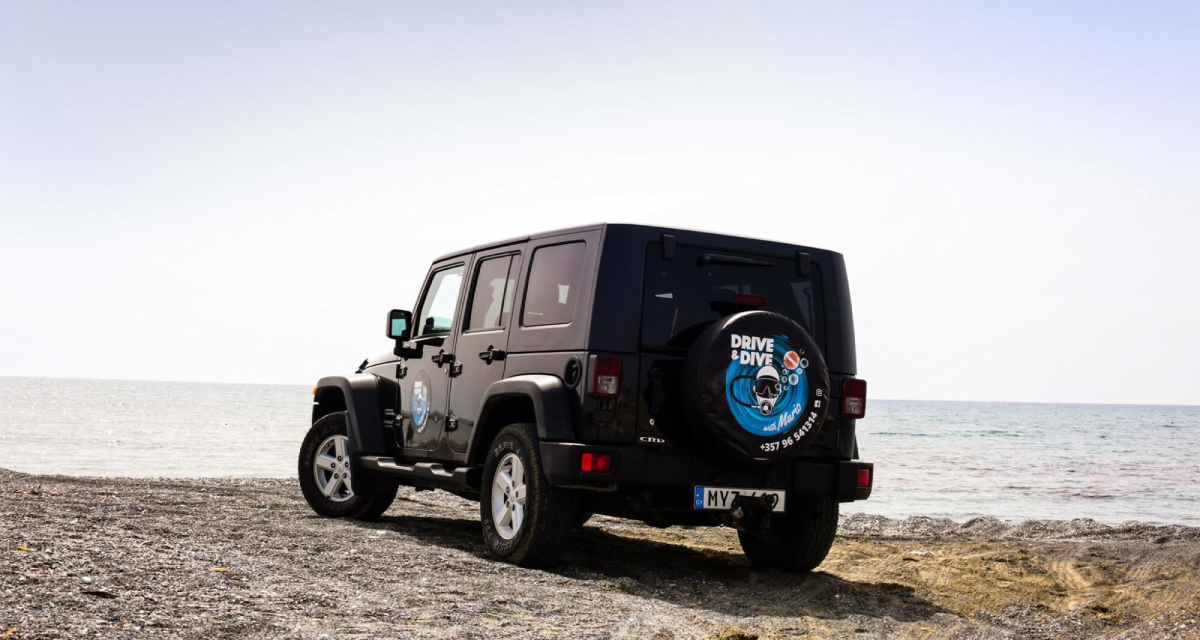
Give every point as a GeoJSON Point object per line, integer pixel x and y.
{"type": "Point", "coordinates": [755, 388]}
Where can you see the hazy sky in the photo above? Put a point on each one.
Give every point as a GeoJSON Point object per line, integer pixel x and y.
{"type": "Point", "coordinates": [238, 191]}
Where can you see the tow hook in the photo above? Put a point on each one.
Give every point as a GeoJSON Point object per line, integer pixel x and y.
{"type": "Point", "coordinates": [751, 513]}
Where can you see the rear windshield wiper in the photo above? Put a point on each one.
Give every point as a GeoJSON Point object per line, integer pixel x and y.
{"type": "Point", "coordinates": [731, 261]}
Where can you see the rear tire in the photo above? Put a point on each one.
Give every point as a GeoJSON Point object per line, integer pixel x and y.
{"type": "Point", "coordinates": [797, 542]}
{"type": "Point", "coordinates": [526, 520]}
{"type": "Point", "coordinates": [323, 455]}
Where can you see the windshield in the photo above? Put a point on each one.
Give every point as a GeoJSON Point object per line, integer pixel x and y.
{"type": "Point", "coordinates": [685, 295]}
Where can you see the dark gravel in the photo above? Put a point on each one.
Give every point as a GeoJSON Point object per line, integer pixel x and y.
{"type": "Point", "coordinates": [105, 557]}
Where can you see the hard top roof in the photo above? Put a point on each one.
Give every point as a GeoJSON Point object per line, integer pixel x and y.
{"type": "Point", "coordinates": [704, 237]}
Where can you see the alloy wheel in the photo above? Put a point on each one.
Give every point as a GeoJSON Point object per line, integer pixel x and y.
{"type": "Point", "coordinates": [331, 466]}
{"type": "Point", "coordinates": [508, 496]}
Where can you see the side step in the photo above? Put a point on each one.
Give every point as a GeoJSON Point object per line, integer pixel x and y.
{"type": "Point", "coordinates": [426, 473]}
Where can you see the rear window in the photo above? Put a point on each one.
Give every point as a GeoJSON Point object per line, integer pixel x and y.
{"type": "Point", "coordinates": [700, 286]}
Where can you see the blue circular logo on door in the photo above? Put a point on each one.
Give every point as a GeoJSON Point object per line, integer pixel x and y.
{"type": "Point", "coordinates": [420, 400]}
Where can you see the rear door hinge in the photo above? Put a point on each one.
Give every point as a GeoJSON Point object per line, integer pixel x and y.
{"type": "Point", "coordinates": [802, 262]}
{"type": "Point", "coordinates": [668, 246]}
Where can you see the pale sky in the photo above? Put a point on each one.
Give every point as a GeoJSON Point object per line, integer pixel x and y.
{"type": "Point", "coordinates": [225, 191]}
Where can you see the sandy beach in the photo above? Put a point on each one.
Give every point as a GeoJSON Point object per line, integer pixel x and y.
{"type": "Point", "coordinates": [103, 557]}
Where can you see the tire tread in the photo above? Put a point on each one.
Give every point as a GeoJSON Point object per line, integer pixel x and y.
{"type": "Point", "coordinates": [554, 510]}
{"type": "Point", "coordinates": [797, 543]}
{"type": "Point", "coordinates": [377, 496]}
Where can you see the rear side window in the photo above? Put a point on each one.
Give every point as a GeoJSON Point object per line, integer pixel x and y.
{"type": "Point", "coordinates": [492, 298]}
{"type": "Point", "coordinates": [685, 295]}
{"type": "Point", "coordinates": [553, 288]}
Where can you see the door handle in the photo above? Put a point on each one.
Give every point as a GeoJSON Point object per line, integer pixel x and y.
{"type": "Point", "coordinates": [491, 354]}
{"type": "Point", "coordinates": [442, 358]}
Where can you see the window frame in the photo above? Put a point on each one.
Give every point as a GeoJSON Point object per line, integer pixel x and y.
{"type": "Point", "coordinates": [513, 274]}
{"type": "Point", "coordinates": [529, 279]}
{"type": "Point", "coordinates": [455, 322]}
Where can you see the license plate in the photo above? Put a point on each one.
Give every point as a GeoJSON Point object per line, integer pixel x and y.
{"type": "Point", "coordinates": [722, 497]}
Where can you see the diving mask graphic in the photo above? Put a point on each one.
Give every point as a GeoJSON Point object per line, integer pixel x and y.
{"type": "Point", "coordinates": [767, 388]}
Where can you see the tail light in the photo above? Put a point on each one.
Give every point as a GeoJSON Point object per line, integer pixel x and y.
{"type": "Point", "coordinates": [595, 462]}
{"type": "Point", "coordinates": [854, 398]}
{"type": "Point", "coordinates": [606, 377]}
{"type": "Point", "coordinates": [864, 478]}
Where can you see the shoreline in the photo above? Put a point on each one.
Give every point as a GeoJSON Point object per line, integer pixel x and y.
{"type": "Point", "coordinates": [237, 557]}
{"type": "Point", "coordinates": [881, 523]}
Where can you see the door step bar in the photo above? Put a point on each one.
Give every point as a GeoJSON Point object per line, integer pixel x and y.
{"type": "Point", "coordinates": [426, 473]}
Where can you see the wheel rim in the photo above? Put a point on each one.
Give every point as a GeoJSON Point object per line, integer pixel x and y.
{"type": "Point", "coordinates": [331, 466]}
{"type": "Point", "coordinates": [508, 496]}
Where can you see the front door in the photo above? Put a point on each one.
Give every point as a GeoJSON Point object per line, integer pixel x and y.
{"type": "Point", "coordinates": [425, 381]}
{"type": "Point", "coordinates": [483, 340]}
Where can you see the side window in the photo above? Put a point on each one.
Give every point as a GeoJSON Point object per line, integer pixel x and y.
{"type": "Point", "coordinates": [438, 306]}
{"type": "Point", "coordinates": [492, 297]}
{"type": "Point", "coordinates": [553, 287]}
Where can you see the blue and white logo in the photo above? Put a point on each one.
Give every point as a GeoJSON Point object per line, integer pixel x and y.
{"type": "Point", "coordinates": [420, 400]}
{"type": "Point", "coordinates": [766, 384]}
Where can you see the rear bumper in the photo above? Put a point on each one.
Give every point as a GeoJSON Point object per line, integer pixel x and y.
{"type": "Point", "coordinates": [636, 469]}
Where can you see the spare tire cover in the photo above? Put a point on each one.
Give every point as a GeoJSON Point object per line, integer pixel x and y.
{"type": "Point", "coordinates": [755, 387]}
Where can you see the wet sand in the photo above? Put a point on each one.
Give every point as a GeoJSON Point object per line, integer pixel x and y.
{"type": "Point", "coordinates": [103, 557]}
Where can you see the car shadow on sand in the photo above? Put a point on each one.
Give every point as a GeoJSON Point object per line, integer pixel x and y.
{"type": "Point", "coordinates": [705, 578]}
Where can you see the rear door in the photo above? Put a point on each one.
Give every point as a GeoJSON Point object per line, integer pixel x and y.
{"type": "Point", "coordinates": [482, 344]}
{"type": "Point", "coordinates": [685, 294]}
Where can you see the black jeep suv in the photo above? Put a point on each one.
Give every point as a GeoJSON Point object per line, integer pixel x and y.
{"type": "Point", "coordinates": [670, 376]}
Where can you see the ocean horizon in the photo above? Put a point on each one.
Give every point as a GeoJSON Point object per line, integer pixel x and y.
{"type": "Point", "coordinates": [953, 459]}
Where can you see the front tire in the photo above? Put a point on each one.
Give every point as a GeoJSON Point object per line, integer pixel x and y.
{"type": "Point", "coordinates": [797, 542]}
{"type": "Point", "coordinates": [526, 520]}
{"type": "Point", "coordinates": [327, 481]}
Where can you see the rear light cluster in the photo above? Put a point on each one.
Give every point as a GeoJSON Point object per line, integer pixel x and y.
{"type": "Point", "coordinates": [606, 378]}
{"type": "Point", "coordinates": [854, 398]}
{"type": "Point", "coordinates": [864, 478]}
{"type": "Point", "coordinates": [595, 462]}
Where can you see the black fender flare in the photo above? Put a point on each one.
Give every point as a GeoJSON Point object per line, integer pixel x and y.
{"type": "Point", "coordinates": [551, 400]}
{"type": "Point", "coordinates": [366, 399]}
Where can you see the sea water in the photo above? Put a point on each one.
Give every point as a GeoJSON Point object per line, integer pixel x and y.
{"type": "Point", "coordinates": [1019, 461]}
{"type": "Point", "coordinates": [943, 459]}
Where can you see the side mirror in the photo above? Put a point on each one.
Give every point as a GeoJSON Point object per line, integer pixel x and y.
{"type": "Point", "coordinates": [399, 325]}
